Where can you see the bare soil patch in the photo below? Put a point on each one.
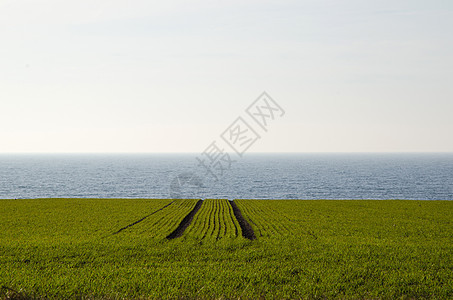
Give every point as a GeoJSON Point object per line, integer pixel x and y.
{"type": "Point", "coordinates": [247, 230]}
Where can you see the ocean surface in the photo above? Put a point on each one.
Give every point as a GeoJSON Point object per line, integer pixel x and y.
{"type": "Point", "coordinates": [257, 176]}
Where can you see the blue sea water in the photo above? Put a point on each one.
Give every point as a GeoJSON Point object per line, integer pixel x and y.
{"type": "Point", "coordinates": [257, 176]}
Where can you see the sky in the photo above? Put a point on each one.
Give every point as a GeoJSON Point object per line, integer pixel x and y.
{"type": "Point", "coordinates": [171, 76]}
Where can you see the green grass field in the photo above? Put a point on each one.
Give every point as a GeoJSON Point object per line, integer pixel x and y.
{"type": "Point", "coordinates": [117, 248]}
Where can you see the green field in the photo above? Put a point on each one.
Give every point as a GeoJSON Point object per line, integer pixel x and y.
{"type": "Point", "coordinates": [117, 248]}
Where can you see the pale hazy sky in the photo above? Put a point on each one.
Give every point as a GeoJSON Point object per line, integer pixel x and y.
{"type": "Point", "coordinates": [171, 76]}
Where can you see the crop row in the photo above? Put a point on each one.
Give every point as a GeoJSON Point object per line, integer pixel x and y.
{"type": "Point", "coordinates": [214, 220]}
{"type": "Point", "coordinates": [267, 218]}
{"type": "Point", "coordinates": [68, 220]}
{"type": "Point", "coordinates": [352, 221]}
{"type": "Point", "coordinates": [163, 222]}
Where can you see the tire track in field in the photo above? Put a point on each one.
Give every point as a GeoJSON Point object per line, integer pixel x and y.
{"type": "Point", "coordinates": [254, 222]}
{"type": "Point", "coordinates": [185, 222]}
{"type": "Point", "coordinates": [142, 219]}
{"type": "Point", "coordinates": [247, 230]}
{"type": "Point", "coordinates": [236, 230]}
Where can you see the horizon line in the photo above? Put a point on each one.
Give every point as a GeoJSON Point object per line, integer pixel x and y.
{"type": "Point", "coordinates": [248, 153]}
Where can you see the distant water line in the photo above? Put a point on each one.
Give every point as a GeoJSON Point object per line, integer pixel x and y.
{"type": "Point", "coordinates": [257, 176]}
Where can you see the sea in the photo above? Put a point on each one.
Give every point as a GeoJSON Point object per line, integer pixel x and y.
{"type": "Point", "coordinates": [412, 176]}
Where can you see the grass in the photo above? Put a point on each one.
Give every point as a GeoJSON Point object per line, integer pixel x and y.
{"type": "Point", "coordinates": [67, 248]}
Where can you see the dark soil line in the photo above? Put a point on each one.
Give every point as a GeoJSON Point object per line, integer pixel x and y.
{"type": "Point", "coordinates": [185, 222]}
{"type": "Point", "coordinates": [138, 221]}
{"type": "Point", "coordinates": [247, 230]}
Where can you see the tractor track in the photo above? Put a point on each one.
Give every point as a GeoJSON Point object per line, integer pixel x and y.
{"type": "Point", "coordinates": [142, 219]}
{"type": "Point", "coordinates": [185, 222]}
{"type": "Point", "coordinates": [247, 230]}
